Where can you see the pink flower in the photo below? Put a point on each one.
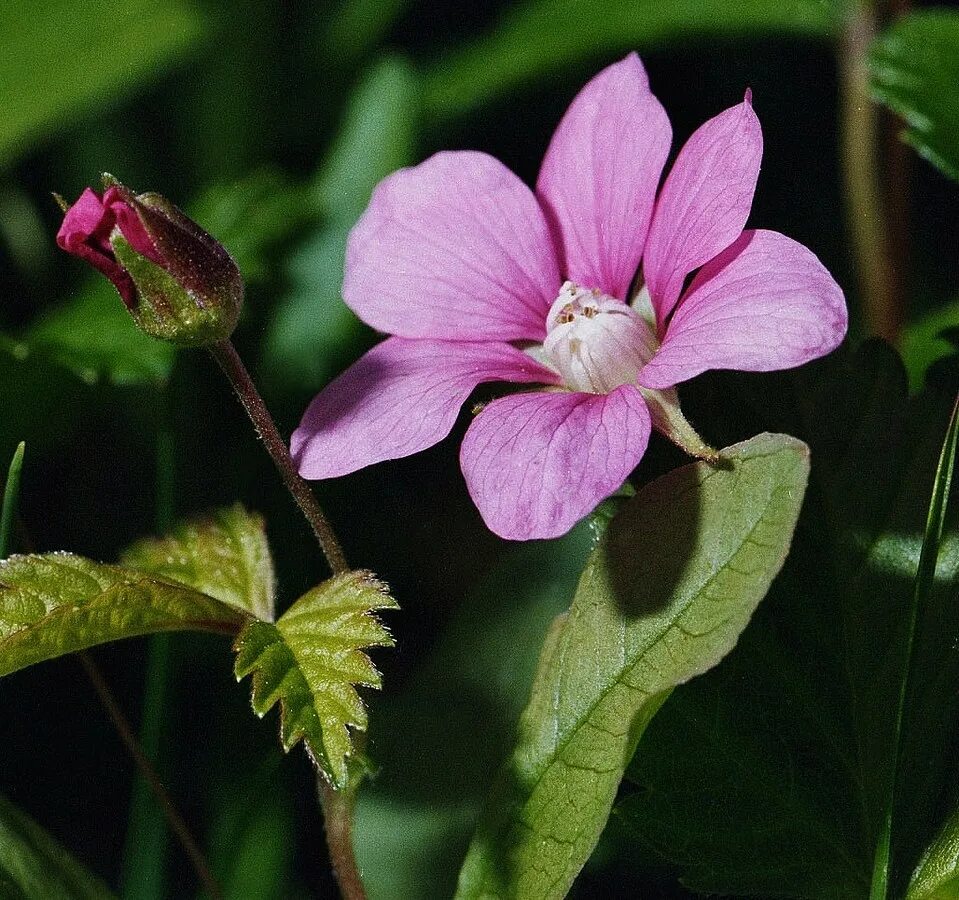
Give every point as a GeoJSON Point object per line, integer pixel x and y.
{"type": "Point", "coordinates": [478, 279]}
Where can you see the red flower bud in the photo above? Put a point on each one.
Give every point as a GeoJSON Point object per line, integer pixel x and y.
{"type": "Point", "coordinates": [178, 282]}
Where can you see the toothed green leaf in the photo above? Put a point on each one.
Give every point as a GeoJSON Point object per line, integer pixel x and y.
{"type": "Point", "coordinates": [225, 555]}
{"type": "Point", "coordinates": [56, 603]}
{"type": "Point", "coordinates": [312, 661]}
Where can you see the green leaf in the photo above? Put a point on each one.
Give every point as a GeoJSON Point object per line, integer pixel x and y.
{"type": "Point", "coordinates": [915, 72]}
{"type": "Point", "coordinates": [94, 337]}
{"type": "Point", "coordinates": [925, 574]}
{"type": "Point", "coordinates": [313, 335]}
{"type": "Point", "coordinates": [253, 835]}
{"type": "Point", "coordinates": [63, 57]}
{"type": "Point", "coordinates": [663, 598]}
{"type": "Point", "coordinates": [538, 38]}
{"type": "Point", "coordinates": [311, 661]}
{"type": "Point", "coordinates": [252, 215]}
{"type": "Point", "coordinates": [376, 138]}
{"type": "Point", "coordinates": [224, 555]}
{"type": "Point", "coordinates": [355, 26]}
{"type": "Point", "coordinates": [786, 791]}
{"type": "Point", "coordinates": [56, 603]}
{"type": "Point", "coordinates": [11, 494]}
{"type": "Point", "coordinates": [33, 866]}
{"type": "Point", "coordinates": [937, 875]}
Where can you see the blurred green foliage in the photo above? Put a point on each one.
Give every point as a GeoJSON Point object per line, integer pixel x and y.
{"type": "Point", "coordinates": [62, 57]}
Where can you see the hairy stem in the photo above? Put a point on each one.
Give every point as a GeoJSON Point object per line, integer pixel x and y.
{"type": "Point", "coordinates": [338, 817]}
{"type": "Point", "coordinates": [859, 134]}
{"type": "Point", "coordinates": [173, 817]}
{"type": "Point", "coordinates": [337, 806]}
{"type": "Point", "coordinates": [229, 361]}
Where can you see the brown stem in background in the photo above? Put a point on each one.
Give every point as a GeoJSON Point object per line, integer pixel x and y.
{"type": "Point", "coordinates": [898, 196]}
{"type": "Point", "coordinates": [229, 361]}
{"type": "Point", "coordinates": [337, 806]}
{"type": "Point", "coordinates": [177, 823]}
{"type": "Point", "coordinates": [878, 269]}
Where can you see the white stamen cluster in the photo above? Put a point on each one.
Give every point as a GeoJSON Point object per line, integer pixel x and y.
{"type": "Point", "coordinates": [595, 341]}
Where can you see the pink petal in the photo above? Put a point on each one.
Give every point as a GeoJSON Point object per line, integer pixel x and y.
{"type": "Point", "coordinates": [704, 203]}
{"type": "Point", "coordinates": [130, 226]}
{"type": "Point", "coordinates": [599, 177]}
{"type": "Point", "coordinates": [536, 463]}
{"type": "Point", "coordinates": [455, 248]}
{"type": "Point", "coordinates": [764, 303]}
{"type": "Point", "coordinates": [85, 232]}
{"type": "Point", "coordinates": [401, 397]}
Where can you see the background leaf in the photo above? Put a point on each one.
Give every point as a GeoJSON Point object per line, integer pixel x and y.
{"type": "Point", "coordinates": [33, 866]}
{"type": "Point", "coordinates": [94, 337]}
{"type": "Point", "coordinates": [311, 661]}
{"type": "Point", "coordinates": [439, 741]}
{"type": "Point", "coordinates": [225, 556]}
{"type": "Point", "coordinates": [313, 334]}
{"type": "Point", "coordinates": [67, 55]}
{"type": "Point", "coordinates": [927, 339]}
{"type": "Point", "coordinates": [915, 72]}
{"type": "Point", "coordinates": [56, 603]}
{"type": "Point", "coordinates": [540, 37]}
{"type": "Point", "coordinates": [663, 598]}
{"type": "Point", "coordinates": [11, 494]}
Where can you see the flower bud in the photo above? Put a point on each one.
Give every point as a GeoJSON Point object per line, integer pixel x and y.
{"type": "Point", "coordinates": [179, 283]}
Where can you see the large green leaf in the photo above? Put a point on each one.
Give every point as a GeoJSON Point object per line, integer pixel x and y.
{"type": "Point", "coordinates": [94, 337]}
{"type": "Point", "coordinates": [786, 792]}
{"type": "Point", "coordinates": [224, 555]}
{"type": "Point", "coordinates": [663, 598]}
{"type": "Point", "coordinates": [313, 334]}
{"type": "Point", "coordinates": [56, 603]}
{"type": "Point", "coordinates": [915, 71]}
{"type": "Point", "coordinates": [537, 38]}
{"type": "Point", "coordinates": [62, 57]}
{"type": "Point", "coordinates": [937, 875]}
{"type": "Point", "coordinates": [311, 661]}
{"type": "Point", "coordinates": [33, 866]}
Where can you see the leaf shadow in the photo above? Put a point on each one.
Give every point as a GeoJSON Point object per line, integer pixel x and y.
{"type": "Point", "coordinates": [644, 580]}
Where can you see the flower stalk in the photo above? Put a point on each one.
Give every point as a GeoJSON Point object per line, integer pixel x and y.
{"type": "Point", "coordinates": [337, 806]}
{"type": "Point", "coordinates": [229, 361]}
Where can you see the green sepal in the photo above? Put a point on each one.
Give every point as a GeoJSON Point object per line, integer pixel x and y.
{"type": "Point", "coordinates": [167, 311]}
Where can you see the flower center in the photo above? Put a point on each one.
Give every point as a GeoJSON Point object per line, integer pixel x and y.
{"type": "Point", "coordinates": [594, 341]}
